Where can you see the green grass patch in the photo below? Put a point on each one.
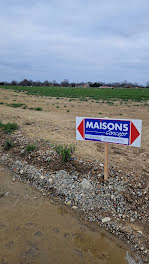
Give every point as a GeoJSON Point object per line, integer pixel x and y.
{"type": "Point", "coordinates": [65, 151]}
{"type": "Point", "coordinates": [15, 105]}
{"type": "Point", "coordinates": [38, 109]}
{"type": "Point", "coordinates": [8, 144]}
{"type": "Point", "coordinates": [9, 127]}
{"type": "Point", "coordinates": [125, 94]}
{"type": "Point", "coordinates": [31, 148]}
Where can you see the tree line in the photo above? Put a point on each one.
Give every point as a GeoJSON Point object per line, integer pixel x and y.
{"type": "Point", "coordinates": [66, 83]}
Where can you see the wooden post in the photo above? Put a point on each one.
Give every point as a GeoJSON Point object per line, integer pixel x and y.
{"type": "Point", "coordinates": [106, 162]}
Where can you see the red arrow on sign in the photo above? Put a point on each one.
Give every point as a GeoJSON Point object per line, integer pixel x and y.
{"type": "Point", "coordinates": [81, 128]}
{"type": "Point", "coordinates": [134, 133]}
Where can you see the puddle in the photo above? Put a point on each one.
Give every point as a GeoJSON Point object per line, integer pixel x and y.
{"type": "Point", "coordinates": [35, 231]}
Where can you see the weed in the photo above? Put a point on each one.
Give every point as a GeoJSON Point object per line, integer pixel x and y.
{"type": "Point", "coordinates": [1, 103]}
{"type": "Point", "coordinates": [57, 106]}
{"type": "Point", "coordinates": [100, 113]}
{"type": "Point", "coordinates": [24, 107]}
{"type": "Point", "coordinates": [30, 148]}
{"type": "Point", "coordinates": [8, 144]}
{"type": "Point", "coordinates": [9, 127]}
{"type": "Point", "coordinates": [15, 105]}
{"type": "Point", "coordinates": [38, 108]}
{"type": "Point", "coordinates": [68, 110]}
{"type": "Point", "coordinates": [65, 151]}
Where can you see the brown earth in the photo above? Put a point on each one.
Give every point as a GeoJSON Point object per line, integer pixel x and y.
{"type": "Point", "coordinates": [56, 123]}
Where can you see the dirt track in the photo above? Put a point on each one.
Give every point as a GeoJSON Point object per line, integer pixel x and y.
{"type": "Point", "coordinates": [56, 123]}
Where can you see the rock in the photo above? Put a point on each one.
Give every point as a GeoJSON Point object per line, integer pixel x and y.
{"type": "Point", "coordinates": [62, 173]}
{"type": "Point", "coordinates": [99, 175]}
{"type": "Point", "coordinates": [101, 165]}
{"type": "Point", "coordinates": [132, 219]}
{"type": "Point", "coordinates": [74, 207]}
{"type": "Point", "coordinates": [21, 172]}
{"type": "Point", "coordinates": [68, 203]}
{"type": "Point", "coordinates": [140, 232]}
{"type": "Point", "coordinates": [50, 180]}
{"type": "Point", "coordinates": [86, 185]}
{"type": "Point", "coordinates": [48, 159]}
{"type": "Point", "coordinates": [106, 219]}
{"type": "Point", "coordinates": [41, 177]}
{"type": "Point", "coordinates": [13, 179]}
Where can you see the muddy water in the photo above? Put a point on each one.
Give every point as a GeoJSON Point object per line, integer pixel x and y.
{"type": "Point", "coordinates": [35, 231]}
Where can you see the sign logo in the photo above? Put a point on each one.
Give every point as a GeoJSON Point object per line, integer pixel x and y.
{"type": "Point", "coordinates": [118, 131]}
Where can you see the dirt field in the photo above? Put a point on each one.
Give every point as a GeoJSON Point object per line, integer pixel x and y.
{"type": "Point", "coordinates": [56, 123]}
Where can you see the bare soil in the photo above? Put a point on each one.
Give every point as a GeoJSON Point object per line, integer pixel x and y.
{"type": "Point", "coordinates": [56, 124]}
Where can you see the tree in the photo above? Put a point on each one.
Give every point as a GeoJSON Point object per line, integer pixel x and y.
{"type": "Point", "coordinates": [65, 83]}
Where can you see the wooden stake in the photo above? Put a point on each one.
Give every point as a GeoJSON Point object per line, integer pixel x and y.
{"type": "Point", "coordinates": [106, 163]}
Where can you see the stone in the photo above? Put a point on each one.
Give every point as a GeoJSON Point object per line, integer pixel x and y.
{"type": "Point", "coordinates": [21, 172]}
{"type": "Point", "coordinates": [41, 177]}
{"type": "Point", "coordinates": [13, 179]}
{"type": "Point", "coordinates": [140, 232]}
{"type": "Point", "coordinates": [48, 159]}
{"type": "Point", "coordinates": [106, 219]}
{"type": "Point", "coordinates": [74, 207]}
{"type": "Point", "coordinates": [86, 185]}
{"type": "Point", "coordinates": [50, 180]}
{"type": "Point", "coordinates": [68, 203]}
{"type": "Point", "coordinates": [99, 175]}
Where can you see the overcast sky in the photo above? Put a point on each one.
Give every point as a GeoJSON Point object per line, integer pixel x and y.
{"type": "Point", "coordinates": [79, 40]}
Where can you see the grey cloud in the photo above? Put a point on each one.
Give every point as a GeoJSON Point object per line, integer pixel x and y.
{"type": "Point", "coordinates": [80, 40]}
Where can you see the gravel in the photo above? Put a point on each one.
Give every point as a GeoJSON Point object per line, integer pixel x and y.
{"type": "Point", "coordinates": [120, 205]}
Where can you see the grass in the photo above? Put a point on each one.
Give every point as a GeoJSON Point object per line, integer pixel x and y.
{"type": "Point", "coordinates": [15, 105]}
{"type": "Point", "coordinates": [65, 151]}
{"type": "Point", "coordinates": [9, 127]}
{"type": "Point", "coordinates": [38, 108]}
{"type": "Point", "coordinates": [105, 94]}
{"type": "Point", "coordinates": [8, 144]}
{"type": "Point", "coordinates": [30, 148]}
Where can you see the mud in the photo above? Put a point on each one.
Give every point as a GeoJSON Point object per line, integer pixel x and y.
{"type": "Point", "coordinates": [34, 230]}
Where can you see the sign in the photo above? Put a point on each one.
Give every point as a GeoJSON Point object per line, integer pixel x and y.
{"type": "Point", "coordinates": [118, 131]}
